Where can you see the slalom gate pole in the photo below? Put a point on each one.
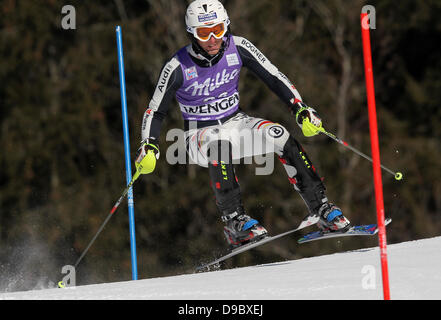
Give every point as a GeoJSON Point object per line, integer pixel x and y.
{"type": "Point", "coordinates": [115, 206]}
{"type": "Point", "coordinates": [122, 82]}
{"type": "Point", "coordinates": [369, 77]}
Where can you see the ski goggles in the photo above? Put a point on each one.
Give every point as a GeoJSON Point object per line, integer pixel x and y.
{"type": "Point", "coordinates": [204, 33]}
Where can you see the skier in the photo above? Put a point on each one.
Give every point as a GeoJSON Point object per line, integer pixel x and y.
{"type": "Point", "coordinates": [204, 76]}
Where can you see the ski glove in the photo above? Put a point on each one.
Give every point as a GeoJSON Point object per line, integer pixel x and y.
{"type": "Point", "coordinates": [146, 156]}
{"type": "Point", "coordinates": [308, 120]}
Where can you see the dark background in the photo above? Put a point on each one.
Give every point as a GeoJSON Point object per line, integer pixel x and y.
{"type": "Point", "coordinates": [61, 143]}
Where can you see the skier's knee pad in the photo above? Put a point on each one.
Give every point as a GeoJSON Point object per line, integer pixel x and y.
{"type": "Point", "coordinates": [219, 150]}
{"type": "Point", "coordinates": [223, 178]}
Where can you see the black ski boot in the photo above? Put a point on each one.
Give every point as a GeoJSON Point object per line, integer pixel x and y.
{"type": "Point", "coordinates": [241, 229]}
{"type": "Point", "coordinates": [332, 219]}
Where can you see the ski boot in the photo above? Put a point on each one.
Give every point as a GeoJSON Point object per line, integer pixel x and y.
{"type": "Point", "coordinates": [332, 219]}
{"type": "Point", "coordinates": [241, 229]}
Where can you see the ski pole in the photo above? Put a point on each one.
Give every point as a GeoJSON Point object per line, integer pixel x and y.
{"type": "Point", "coordinates": [397, 175]}
{"type": "Point", "coordinates": [115, 206]}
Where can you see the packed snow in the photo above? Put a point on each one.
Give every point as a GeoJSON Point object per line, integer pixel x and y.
{"type": "Point", "coordinates": [414, 273]}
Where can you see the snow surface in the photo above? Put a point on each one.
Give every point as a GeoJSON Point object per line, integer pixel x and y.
{"type": "Point", "coordinates": [414, 273]}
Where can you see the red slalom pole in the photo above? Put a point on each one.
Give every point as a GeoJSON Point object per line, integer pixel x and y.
{"type": "Point", "coordinates": [375, 152]}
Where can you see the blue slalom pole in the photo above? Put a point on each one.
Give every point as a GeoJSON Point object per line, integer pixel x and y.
{"type": "Point", "coordinates": [122, 83]}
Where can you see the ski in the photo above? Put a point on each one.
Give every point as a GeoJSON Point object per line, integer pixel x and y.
{"type": "Point", "coordinates": [306, 222]}
{"type": "Point", "coordinates": [361, 230]}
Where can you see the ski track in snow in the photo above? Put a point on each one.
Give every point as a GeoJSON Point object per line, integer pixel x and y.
{"type": "Point", "coordinates": [414, 273]}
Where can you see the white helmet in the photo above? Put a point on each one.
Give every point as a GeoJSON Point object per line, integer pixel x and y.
{"type": "Point", "coordinates": [206, 15]}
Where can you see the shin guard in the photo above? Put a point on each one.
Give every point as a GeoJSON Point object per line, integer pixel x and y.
{"type": "Point", "coordinates": [223, 178]}
{"type": "Point", "coordinates": [303, 175]}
